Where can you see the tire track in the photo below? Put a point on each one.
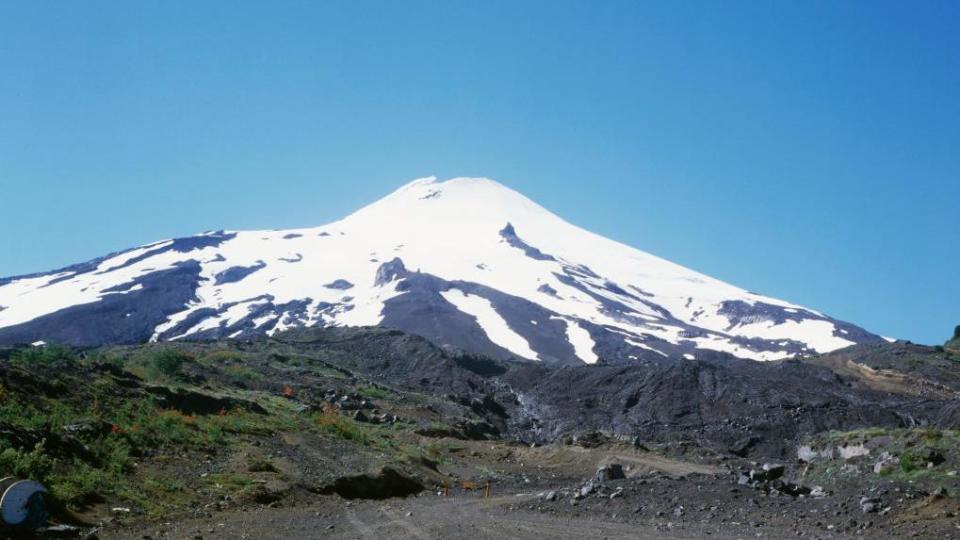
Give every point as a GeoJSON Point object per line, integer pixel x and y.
{"type": "Point", "coordinates": [410, 527]}
{"type": "Point", "coordinates": [365, 531]}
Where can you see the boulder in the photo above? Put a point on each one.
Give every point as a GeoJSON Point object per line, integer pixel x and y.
{"type": "Point", "coordinates": [613, 471]}
{"type": "Point", "coordinates": [869, 504]}
{"type": "Point", "coordinates": [89, 428]}
{"type": "Point", "coordinates": [887, 463]}
{"type": "Point", "coordinates": [587, 488]}
{"type": "Point", "coordinates": [768, 473]}
{"type": "Point", "coordinates": [590, 439]}
{"type": "Point", "coordinates": [773, 471]}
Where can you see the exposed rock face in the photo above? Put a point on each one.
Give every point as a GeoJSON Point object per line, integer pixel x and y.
{"type": "Point", "coordinates": [339, 284]}
{"type": "Point", "coordinates": [192, 402]}
{"type": "Point", "coordinates": [390, 271]}
{"type": "Point", "coordinates": [237, 273]}
{"type": "Point", "coordinates": [954, 343]}
{"type": "Point", "coordinates": [758, 409]}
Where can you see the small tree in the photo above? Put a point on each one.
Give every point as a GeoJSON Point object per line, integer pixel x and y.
{"type": "Point", "coordinates": [956, 332]}
{"type": "Point", "coordinates": [167, 362]}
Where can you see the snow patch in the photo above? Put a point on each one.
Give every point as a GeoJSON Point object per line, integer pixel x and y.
{"type": "Point", "coordinates": [582, 343]}
{"type": "Point", "coordinates": [491, 322]}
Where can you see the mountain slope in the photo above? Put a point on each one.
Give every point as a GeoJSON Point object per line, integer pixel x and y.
{"type": "Point", "coordinates": [468, 263]}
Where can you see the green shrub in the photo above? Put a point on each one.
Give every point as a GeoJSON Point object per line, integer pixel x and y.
{"type": "Point", "coordinates": [43, 355]}
{"type": "Point", "coordinates": [80, 482]}
{"type": "Point", "coordinates": [32, 464]}
{"type": "Point", "coordinates": [166, 363]}
{"type": "Point", "coordinates": [907, 462]}
{"type": "Point", "coordinates": [144, 427]}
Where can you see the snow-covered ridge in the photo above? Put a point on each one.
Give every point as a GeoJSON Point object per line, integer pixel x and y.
{"type": "Point", "coordinates": [466, 262]}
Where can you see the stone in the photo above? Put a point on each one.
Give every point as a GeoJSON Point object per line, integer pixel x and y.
{"type": "Point", "coordinates": [773, 471]}
{"type": "Point", "coordinates": [613, 471]}
{"type": "Point", "coordinates": [869, 504]}
{"type": "Point", "coordinates": [587, 488]}
{"type": "Point", "coordinates": [887, 463]}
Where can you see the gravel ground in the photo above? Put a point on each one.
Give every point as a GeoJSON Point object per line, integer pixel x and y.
{"type": "Point", "coordinates": [692, 506]}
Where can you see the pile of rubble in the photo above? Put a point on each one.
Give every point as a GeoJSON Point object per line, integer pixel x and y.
{"type": "Point", "coordinates": [769, 478]}
{"type": "Point", "coordinates": [364, 409]}
{"type": "Point", "coordinates": [597, 486]}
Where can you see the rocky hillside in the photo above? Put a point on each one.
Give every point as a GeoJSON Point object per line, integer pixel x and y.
{"type": "Point", "coordinates": [203, 433]}
{"type": "Point", "coordinates": [954, 343]}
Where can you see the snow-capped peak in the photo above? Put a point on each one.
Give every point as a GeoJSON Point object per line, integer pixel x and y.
{"type": "Point", "coordinates": [467, 262]}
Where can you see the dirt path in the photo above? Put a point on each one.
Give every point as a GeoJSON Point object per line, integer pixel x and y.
{"type": "Point", "coordinates": [422, 518]}
{"type": "Point", "coordinates": [584, 462]}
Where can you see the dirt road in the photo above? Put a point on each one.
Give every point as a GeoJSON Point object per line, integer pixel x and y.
{"type": "Point", "coordinates": [421, 518]}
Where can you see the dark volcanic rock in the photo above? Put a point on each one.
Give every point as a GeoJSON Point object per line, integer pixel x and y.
{"type": "Point", "coordinates": [510, 236]}
{"type": "Point", "coordinates": [340, 284]}
{"type": "Point", "coordinates": [237, 273]}
{"type": "Point", "coordinates": [192, 402]}
{"type": "Point", "coordinates": [752, 409]}
{"type": "Point", "coordinates": [389, 271]}
{"type": "Point", "coordinates": [748, 408]}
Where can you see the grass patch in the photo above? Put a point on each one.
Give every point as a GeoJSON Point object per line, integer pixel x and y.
{"type": "Point", "coordinates": [215, 359]}
{"type": "Point", "coordinates": [242, 373]}
{"type": "Point", "coordinates": [157, 495]}
{"type": "Point", "coordinates": [926, 457]}
{"type": "Point", "coordinates": [231, 483]}
{"type": "Point", "coordinates": [373, 392]}
{"type": "Point", "coordinates": [332, 422]}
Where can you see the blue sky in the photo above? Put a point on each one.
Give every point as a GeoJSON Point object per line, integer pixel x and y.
{"type": "Point", "coordinates": [804, 150]}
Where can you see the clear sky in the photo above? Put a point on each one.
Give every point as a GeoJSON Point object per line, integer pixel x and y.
{"type": "Point", "coordinates": [804, 150]}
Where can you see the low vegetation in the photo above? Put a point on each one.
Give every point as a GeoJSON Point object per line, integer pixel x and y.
{"type": "Point", "coordinates": [927, 458]}
{"type": "Point", "coordinates": [91, 432]}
